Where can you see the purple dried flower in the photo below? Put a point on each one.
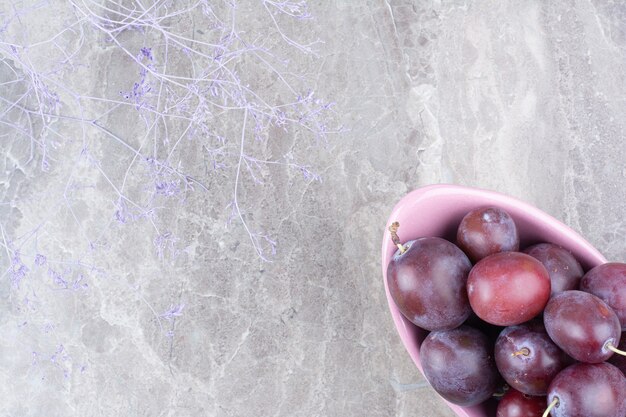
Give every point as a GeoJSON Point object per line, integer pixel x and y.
{"type": "Point", "coordinates": [40, 260]}
{"type": "Point", "coordinates": [79, 284]}
{"type": "Point", "coordinates": [173, 311]}
{"type": "Point", "coordinates": [57, 279]}
{"type": "Point", "coordinates": [59, 350]}
{"type": "Point", "coordinates": [166, 242]}
{"type": "Point", "coordinates": [310, 175]}
{"type": "Point", "coordinates": [140, 92]}
{"type": "Point", "coordinates": [17, 270]}
{"type": "Point", "coordinates": [167, 188]}
{"type": "Point", "coordinates": [146, 52]}
{"type": "Point", "coordinates": [122, 214]}
{"type": "Point", "coordinates": [280, 118]}
{"type": "Point", "coordinates": [269, 241]}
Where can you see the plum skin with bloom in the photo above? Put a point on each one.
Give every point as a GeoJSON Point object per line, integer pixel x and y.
{"type": "Point", "coordinates": [459, 365]}
{"type": "Point", "coordinates": [582, 325]}
{"type": "Point", "coordinates": [608, 282]}
{"type": "Point", "coordinates": [564, 270]}
{"type": "Point", "coordinates": [528, 359]}
{"type": "Point", "coordinates": [508, 288]}
{"type": "Point", "coordinates": [485, 231]}
{"type": "Point", "coordinates": [427, 283]}
{"type": "Point", "coordinates": [588, 390]}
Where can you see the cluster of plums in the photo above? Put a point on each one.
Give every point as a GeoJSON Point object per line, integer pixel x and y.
{"type": "Point", "coordinates": [529, 327]}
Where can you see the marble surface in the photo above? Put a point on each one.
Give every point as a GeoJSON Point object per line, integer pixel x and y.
{"type": "Point", "coordinates": [170, 311]}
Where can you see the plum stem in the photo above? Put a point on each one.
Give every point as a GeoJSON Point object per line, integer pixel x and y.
{"type": "Point", "coordinates": [523, 351]}
{"type": "Point", "coordinates": [553, 404]}
{"type": "Point", "coordinates": [393, 229]}
{"type": "Point", "coordinates": [615, 350]}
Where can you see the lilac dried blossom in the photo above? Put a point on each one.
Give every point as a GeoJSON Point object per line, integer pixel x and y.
{"type": "Point", "coordinates": [64, 282]}
{"type": "Point", "coordinates": [62, 360]}
{"type": "Point", "coordinates": [122, 213]}
{"type": "Point", "coordinates": [146, 53]}
{"type": "Point", "coordinates": [166, 243]}
{"type": "Point", "coordinates": [167, 188]}
{"type": "Point", "coordinates": [308, 174]}
{"type": "Point", "coordinates": [57, 279]}
{"type": "Point", "coordinates": [140, 93]}
{"type": "Point", "coordinates": [58, 354]}
{"type": "Point", "coordinates": [17, 270]}
{"type": "Point", "coordinates": [79, 283]}
{"type": "Point", "coordinates": [173, 311]}
{"type": "Point", "coordinates": [40, 260]}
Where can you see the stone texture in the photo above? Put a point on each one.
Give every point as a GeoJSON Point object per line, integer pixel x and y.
{"type": "Point", "coordinates": [525, 98]}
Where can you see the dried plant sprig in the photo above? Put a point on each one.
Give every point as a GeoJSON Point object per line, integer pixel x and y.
{"type": "Point", "coordinates": [182, 91]}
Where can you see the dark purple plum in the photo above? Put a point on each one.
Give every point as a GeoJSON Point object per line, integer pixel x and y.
{"type": "Point", "coordinates": [588, 390]}
{"type": "Point", "coordinates": [528, 359]}
{"type": "Point", "coordinates": [486, 231]}
{"type": "Point", "coordinates": [582, 325]}
{"type": "Point", "coordinates": [564, 270]}
{"type": "Point", "coordinates": [508, 288]}
{"type": "Point", "coordinates": [427, 283]}
{"type": "Point", "coordinates": [608, 281]}
{"type": "Point", "coordinates": [459, 365]}
{"type": "Point", "coordinates": [517, 404]}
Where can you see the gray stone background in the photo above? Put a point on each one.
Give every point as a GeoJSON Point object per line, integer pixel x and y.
{"type": "Point", "coordinates": [526, 98]}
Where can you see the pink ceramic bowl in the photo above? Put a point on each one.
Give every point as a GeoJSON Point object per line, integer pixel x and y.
{"type": "Point", "coordinates": [437, 210]}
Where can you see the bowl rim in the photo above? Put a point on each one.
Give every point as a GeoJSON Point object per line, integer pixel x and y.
{"type": "Point", "coordinates": [403, 326]}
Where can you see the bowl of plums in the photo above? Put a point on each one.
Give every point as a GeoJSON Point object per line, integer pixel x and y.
{"type": "Point", "coordinates": [506, 311]}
